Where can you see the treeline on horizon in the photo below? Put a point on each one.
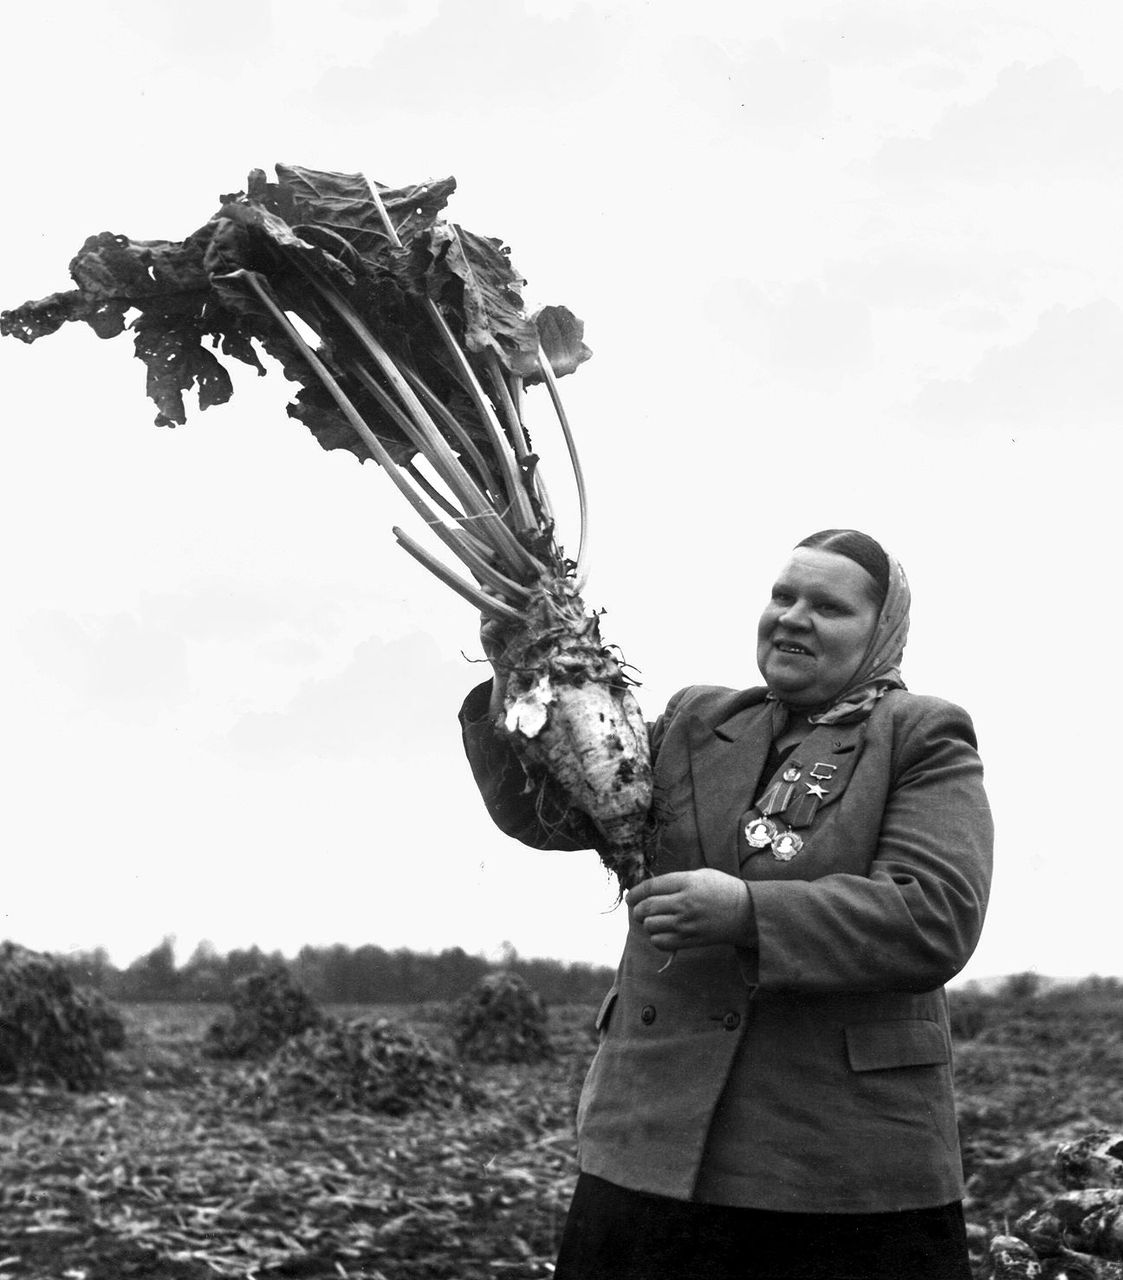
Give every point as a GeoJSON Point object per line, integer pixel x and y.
{"type": "Point", "coordinates": [334, 974]}
{"type": "Point", "coordinates": [368, 974]}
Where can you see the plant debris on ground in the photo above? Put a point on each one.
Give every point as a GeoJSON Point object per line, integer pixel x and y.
{"type": "Point", "coordinates": [159, 1177]}
{"type": "Point", "coordinates": [502, 1020]}
{"type": "Point", "coordinates": [359, 1065]}
{"type": "Point", "coordinates": [50, 1030]}
{"type": "Point", "coordinates": [266, 1009]}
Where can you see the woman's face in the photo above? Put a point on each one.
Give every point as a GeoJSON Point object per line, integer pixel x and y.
{"type": "Point", "coordinates": [814, 631]}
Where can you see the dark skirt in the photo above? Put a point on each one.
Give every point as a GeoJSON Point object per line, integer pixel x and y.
{"type": "Point", "coordinates": [612, 1233]}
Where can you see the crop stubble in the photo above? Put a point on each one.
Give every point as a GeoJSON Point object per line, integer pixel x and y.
{"type": "Point", "coordinates": [158, 1176]}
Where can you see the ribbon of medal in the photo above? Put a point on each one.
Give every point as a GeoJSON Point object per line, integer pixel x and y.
{"type": "Point", "coordinates": [797, 808]}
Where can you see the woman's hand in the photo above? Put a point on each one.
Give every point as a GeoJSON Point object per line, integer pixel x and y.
{"type": "Point", "coordinates": [495, 636]}
{"type": "Point", "coordinates": [700, 908]}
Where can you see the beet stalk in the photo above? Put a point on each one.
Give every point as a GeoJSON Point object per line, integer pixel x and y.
{"type": "Point", "coordinates": [424, 356]}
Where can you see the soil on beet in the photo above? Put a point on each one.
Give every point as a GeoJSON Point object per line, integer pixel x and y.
{"type": "Point", "coordinates": [164, 1175]}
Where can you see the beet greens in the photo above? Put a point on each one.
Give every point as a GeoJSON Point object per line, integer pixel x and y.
{"type": "Point", "coordinates": [424, 349]}
{"type": "Point", "coordinates": [423, 353]}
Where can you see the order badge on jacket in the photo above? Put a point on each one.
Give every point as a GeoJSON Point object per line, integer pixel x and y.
{"type": "Point", "coordinates": [793, 797]}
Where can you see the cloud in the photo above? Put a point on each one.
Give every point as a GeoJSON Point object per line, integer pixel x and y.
{"type": "Point", "coordinates": [885, 34]}
{"type": "Point", "coordinates": [813, 328]}
{"type": "Point", "coordinates": [1036, 122]}
{"type": "Point", "coordinates": [761, 86]}
{"type": "Point", "coordinates": [229, 609]}
{"type": "Point", "coordinates": [477, 58]}
{"type": "Point", "coordinates": [914, 275]}
{"type": "Point", "coordinates": [972, 319]}
{"type": "Point", "coordinates": [212, 36]}
{"type": "Point", "coordinates": [934, 78]}
{"type": "Point", "coordinates": [130, 667]}
{"type": "Point", "coordinates": [804, 328]}
{"type": "Point", "coordinates": [1067, 373]}
{"type": "Point", "coordinates": [390, 699]}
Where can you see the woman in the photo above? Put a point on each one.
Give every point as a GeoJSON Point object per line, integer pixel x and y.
{"type": "Point", "coordinates": [777, 1102]}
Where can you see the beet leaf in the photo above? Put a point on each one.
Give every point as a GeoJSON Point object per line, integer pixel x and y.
{"type": "Point", "coordinates": [422, 347]}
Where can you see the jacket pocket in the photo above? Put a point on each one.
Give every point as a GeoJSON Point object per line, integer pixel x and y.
{"type": "Point", "coordinates": [605, 1011]}
{"type": "Point", "coordinates": [906, 1042]}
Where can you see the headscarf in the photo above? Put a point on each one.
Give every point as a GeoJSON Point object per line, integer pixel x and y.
{"type": "Point", "coordinates": [880, 668]}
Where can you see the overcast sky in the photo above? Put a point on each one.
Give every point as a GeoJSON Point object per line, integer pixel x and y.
{"type": "Point", "coordinates": [839, 264]}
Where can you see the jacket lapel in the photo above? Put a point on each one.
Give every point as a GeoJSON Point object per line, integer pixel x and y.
{"type": "Point", "coordinates": [826, 759]}
{"type": "Point", "coordinates": [726, 761]}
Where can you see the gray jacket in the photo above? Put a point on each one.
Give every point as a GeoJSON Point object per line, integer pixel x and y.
{"type": "Point", "coordinates": [812, 1072]}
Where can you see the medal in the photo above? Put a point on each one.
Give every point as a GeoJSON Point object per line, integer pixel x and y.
{"type": "Point", "coordinates": [792, 773]}
{"type": "Point", "coordinates": [802, 812]}
{"type": "Point", "coordinates": [786, 845]}
{"type": "Point", "coordinates": [760, 832]}
{"type": "Point", "coordinates": [777, 798]}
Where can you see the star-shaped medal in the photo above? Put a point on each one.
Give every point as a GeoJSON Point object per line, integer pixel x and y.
{"type": "Point", "coordinates": [814, 789]}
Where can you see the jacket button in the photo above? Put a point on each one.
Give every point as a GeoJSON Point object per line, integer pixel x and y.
{"type": "Point", "coordinates": [731, 1021]}
{"type": "Point", "coordinates": [647, 1015]}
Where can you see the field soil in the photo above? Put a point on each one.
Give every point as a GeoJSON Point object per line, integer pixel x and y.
{"type": "Point", "coordinates": [170, 1173]}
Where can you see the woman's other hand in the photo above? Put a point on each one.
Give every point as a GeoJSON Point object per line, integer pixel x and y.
{"type": "Point", "coordinates": [495, 636]}
{"type": "Point", "coordinates": [700, 908]}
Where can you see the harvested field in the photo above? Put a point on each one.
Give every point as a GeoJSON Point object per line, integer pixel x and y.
{"type": "Point", "coordinates": [158, 1176]}
{"type": "Point", "coordinates": [162, 1174]}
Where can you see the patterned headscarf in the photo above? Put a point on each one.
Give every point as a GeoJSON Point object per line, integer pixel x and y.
{"type": "Point", "coordinates": [880, 668]}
